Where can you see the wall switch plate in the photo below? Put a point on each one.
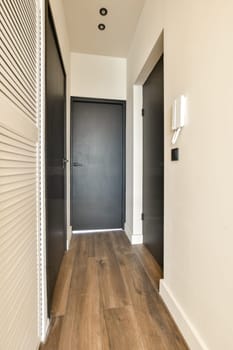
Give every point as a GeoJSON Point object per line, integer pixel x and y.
{"type": "Point", "coordinates": [175, 154]}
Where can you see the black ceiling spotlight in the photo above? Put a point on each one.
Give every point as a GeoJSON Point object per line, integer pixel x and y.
{"type": "Point", "coordinates": [103, 11]}
{"type": "Point", "coordinates": [101, 26]}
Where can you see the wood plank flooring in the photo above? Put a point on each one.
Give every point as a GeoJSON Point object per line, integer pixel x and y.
{"type": "Point", "coordinates": [112, 302]}
{"type": "Point", "coordinates": [62, 287]}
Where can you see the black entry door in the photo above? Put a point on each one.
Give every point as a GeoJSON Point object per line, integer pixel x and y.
{"type": "Point", "coordinates": [153, 163]}
{"type": "Point", "coordinates": [97, 164]}
{"type": "Point", "coordinates": [55, 154]}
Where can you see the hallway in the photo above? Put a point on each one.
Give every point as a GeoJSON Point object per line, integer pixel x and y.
{"type": "Point", "coordinates": [111, 300]}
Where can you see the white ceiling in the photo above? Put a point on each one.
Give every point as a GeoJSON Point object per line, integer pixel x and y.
{"type": "Point", "coordinates": [83, 17]}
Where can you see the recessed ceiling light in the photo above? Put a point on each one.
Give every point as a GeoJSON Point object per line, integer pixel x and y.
{"type": "Point", "coordinates": [101, 26]}
{"type": "Point", "coordinates": [103, 11]}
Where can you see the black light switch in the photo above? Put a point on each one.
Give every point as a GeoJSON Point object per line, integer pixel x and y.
{"type": "Point", "coordinates": [175, 154]}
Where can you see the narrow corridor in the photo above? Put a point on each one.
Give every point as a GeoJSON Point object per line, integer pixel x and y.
{"type": "Point", "coordinates": [107, 298]}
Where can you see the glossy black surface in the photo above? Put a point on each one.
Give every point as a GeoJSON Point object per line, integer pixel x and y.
{"type": "Point", "coordinates": [97, 165]}
{"type": "Point", "coordinates": [55, 153]}
{"type": "Point", "coordinates": [153, 162]}
{"type": "Point", "coordinates": [175, 154]}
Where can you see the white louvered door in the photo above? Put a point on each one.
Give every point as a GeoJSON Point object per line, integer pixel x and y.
{"type": "Point", "coordinates": [19, 90]}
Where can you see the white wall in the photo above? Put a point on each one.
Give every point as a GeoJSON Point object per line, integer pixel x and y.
{"type": "Point", "coordinates": [57, 8]}
{"type": "Point", "coordinates": [198, 55]}
{"type": "Point", "coordinates": [98, 76]}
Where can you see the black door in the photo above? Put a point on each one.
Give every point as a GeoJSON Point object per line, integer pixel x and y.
{"type": "Point", "coordinates": [97, 164]}
{"type": "Point", "coordinates": [55, 154]}
{"type": "Point", "coordinates": [153, 162]}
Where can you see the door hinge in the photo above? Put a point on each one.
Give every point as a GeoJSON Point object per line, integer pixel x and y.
{"type": "Point", "coordinates": [142, 216]}
{"type": "Point", "coordinates": [143, 112]}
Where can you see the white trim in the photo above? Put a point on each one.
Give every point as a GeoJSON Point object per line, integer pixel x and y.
{"type": "Point", "coordinates": [69, 236]}
{"type": "Point", "coordinates": [151, 60]}
{"type": "Point", "coordinates": [43, 318]}
{"type": "Point", "coordinates": [127, 231]}
{"type": "Point", "coordinates": [192, 337]}
{"type": "Point", "coordinates": [43, 340]}
{"type": "Point", "coordinates": [137, 162]}
{"type": "Point", "coordinates": [136, 239]}
{"type": "Point", "coordinates": [96, 231]}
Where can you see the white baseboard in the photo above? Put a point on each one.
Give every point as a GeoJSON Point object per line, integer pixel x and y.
{"type": "Point", "coordinates": [190, 334]}
{"type": "Point", "coordinates": [134, 239]}
{"type": "Point", "coordinates": [69, 236]}
{"type": "Point", "coordinates": [127, 231]}
{"type": "Point", "coordinates": [96, 231]}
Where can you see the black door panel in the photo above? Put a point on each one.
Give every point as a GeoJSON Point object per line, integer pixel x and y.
{"type": "Point", "coordinates": [97, 165]}
{"type": "Point", "coordinates": [55, 153]}
{"type": "Point", "coordinates": [153, 162]}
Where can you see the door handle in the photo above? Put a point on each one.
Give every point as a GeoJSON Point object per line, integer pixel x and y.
{"type": "Point", "coordinates": [76, 164]}
{"type": "Point", "coordinates": [64, 162]}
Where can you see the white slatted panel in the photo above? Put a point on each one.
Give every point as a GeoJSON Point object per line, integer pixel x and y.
{"type": "Point", "coordinates": [19, 88]}
{"type": "Point", "coordinates": [18, 51]}
{"type": "Point", "coordinates": [18, 241]}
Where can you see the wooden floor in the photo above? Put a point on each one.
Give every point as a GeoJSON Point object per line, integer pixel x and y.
{"type": "Point", "coordinates": [107, 298]}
